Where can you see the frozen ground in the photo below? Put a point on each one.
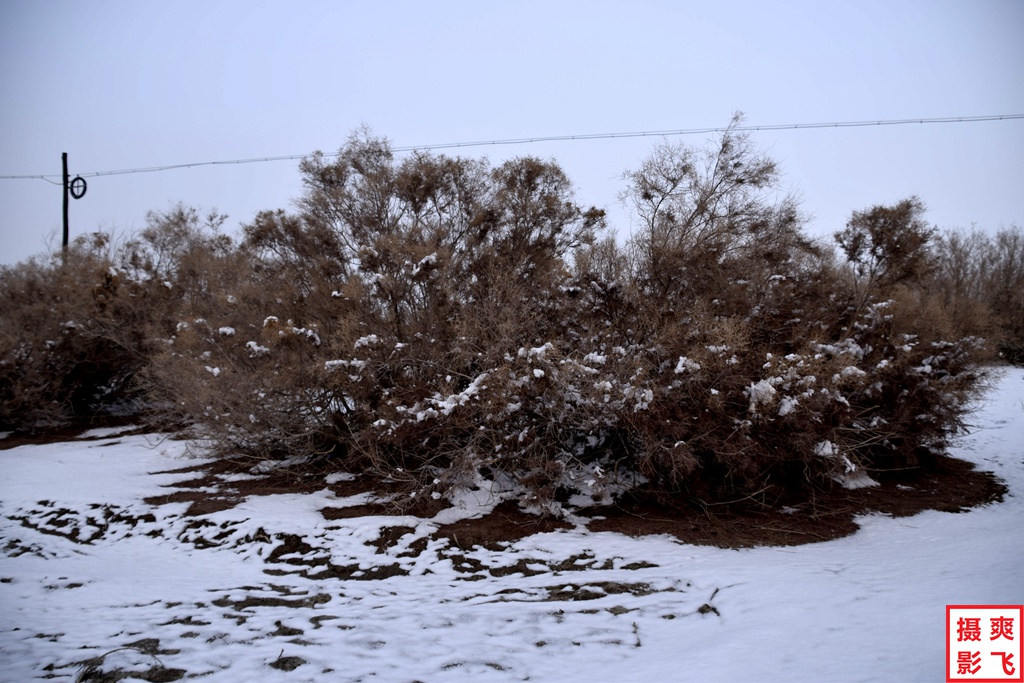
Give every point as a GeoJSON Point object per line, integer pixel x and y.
{"type": "Point", "coordinates": [272, 591]}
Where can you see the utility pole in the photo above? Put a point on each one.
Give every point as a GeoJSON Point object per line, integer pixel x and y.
{"type": "Point", "coordinates": [76, 189]}
{"type": "Point", "coordinates": [64, 241]}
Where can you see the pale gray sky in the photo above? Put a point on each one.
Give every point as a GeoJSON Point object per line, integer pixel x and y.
{"type": "Point", "coordinates": [127, 84]}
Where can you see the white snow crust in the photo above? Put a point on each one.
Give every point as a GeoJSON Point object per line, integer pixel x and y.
{"type": "Point", "coordinates": [88, 567]}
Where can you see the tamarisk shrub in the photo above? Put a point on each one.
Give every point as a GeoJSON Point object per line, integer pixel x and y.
{"type": "Point", "coordinates": [445, 323]}
{"type": "Point", "coordinates": [77, 329]}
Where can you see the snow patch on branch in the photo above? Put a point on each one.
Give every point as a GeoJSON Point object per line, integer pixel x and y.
{"type": "Point", "coordinates": [761, 393]}
{"type": "Point", "coordinates": [367, 340]}
{"type": "Point", "coordinates": [686, 365]}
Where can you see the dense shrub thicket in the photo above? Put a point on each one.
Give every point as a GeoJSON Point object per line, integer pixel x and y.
{"type": "Point", "coordinates": [76, 329]}
{"type": "Point", "coordinates": [979, 279]}
{"type": "Point", "coordinates": [446, 323]}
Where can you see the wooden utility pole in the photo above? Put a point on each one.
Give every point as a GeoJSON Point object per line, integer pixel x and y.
{"type": "Point", "coordinates": [75, 189]}
{"type": "Point", "coordinates": [64, 241]}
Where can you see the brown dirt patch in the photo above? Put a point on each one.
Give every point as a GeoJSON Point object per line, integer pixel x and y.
{"type": "Point", "coordinates": [218, 487]}
{"type": "Point", "coordinates": [73, 433]}
{"type": "Point", "coordinates": [943, 483]}
{"type": "Point", "coordinates": [505, 525]}
{"type": "Point", "coordinates": [353, 511]}
{"type": "Point", "coordinates": [828, 512]}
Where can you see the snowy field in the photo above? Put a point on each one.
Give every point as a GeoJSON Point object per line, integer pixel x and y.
{"type": "Point", "coordinates": [88, 568]}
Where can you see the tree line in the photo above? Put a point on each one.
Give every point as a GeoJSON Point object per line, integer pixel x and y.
{"type": "Point", "coordinates": [441, 322]}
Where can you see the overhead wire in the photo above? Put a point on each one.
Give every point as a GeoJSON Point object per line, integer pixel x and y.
{"type": "Point", "coordinates": [550, 138]}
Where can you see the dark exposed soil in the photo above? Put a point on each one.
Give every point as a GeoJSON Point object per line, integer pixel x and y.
{"type": "Point", "coordinates": [828, 512]}
{"type": "Point", "coordinates": [506, 524]}
{"type": "Point", "coordinates": [72, 432]}
{"type": "Point", "coordinates": [945, 484]}
{"type": "Point", "coordinates": [219, 477]}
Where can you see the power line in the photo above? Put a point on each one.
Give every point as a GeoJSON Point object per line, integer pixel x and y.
{"type": "Point", "coordinates": [551, 138]}
{"type": "Point", "coordinates": [717, 129]}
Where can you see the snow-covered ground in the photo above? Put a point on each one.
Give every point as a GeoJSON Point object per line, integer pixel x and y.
{"type": "Point", "coordinates": [88, 568]}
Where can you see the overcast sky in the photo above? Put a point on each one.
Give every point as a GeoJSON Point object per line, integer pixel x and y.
{"type": "Point", "coordinates": [131, 84]}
